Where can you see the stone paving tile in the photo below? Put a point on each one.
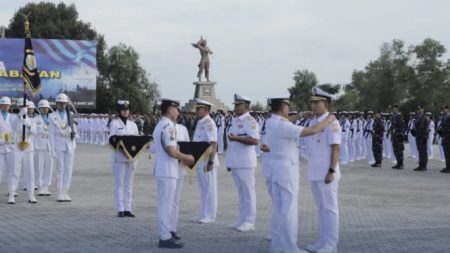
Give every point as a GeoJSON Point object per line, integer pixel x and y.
{"type": "Point", "coordinates": [382, 210]}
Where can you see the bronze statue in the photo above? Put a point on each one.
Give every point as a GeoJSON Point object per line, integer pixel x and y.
{"type": "Point", "coordinates": [204, 61]}
{"type": "Point", "coordinates": [26, 21]}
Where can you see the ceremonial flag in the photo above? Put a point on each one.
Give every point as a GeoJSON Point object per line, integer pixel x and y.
{"type": "Point", "coordinates": [130, 145]}
{"type": "Point", "coordinates": [199, 150]}
{"type": "Point", "coordinates": [30, 73]}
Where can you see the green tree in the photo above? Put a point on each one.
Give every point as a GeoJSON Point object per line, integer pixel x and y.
{"type": "Point", "coordinates": [384, 81]}
{"type": "Point", "coordinates": [124, 78]}
{"type": "Point", "coordinates": [431, 87]}
{"type": "Point", "coordinates": [257, 107]}
{"type": "Point", "coordinates": [301, 91]}
{"type": "Point", "coordinates": [51, 21]}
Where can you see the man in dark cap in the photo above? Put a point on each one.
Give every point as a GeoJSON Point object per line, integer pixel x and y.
{"type": "Point", "coordinates": [397, 128]}
{"type": "Point", "coordinates": [444, 132]}
{"type": "Point", "coordinates": [421, 133]}
{"type": "Point", "coordinates": [377, 139]}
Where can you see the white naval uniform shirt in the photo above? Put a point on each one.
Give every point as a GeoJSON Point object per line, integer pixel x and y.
{"type": "Point", "coordinates": [266, 157]}
{"type": "Point", "coordinates": [117, 127]}
{"type": "Point", "coordinates": [319, 161]}
{"type": "Point", "coordinates": [281, 137]}
{"type": "Point", "coordinates": [165, 135]}
{"type": "Point", "coordinates": [7, 126]}
{"type": "Point", "coordinates": [206, 130]}
{"type": "Point", "coordinates": [41, 140]}
{"type": "Point", "coordinates": [60, 130]}
{"type": "Point", "coordinates": [182, 135]}
{"type": "Point", "coordinates": [240, 155]}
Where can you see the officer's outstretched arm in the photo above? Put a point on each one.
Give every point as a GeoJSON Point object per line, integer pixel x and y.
{"type": "Point", "coordinates": [317, 128]}
{"type": "Point", "coordinates": [174, 153]}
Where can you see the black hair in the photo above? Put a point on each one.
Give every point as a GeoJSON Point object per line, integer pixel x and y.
{"type": "Point", "coordinates": [276, 105]}
{"type": "Point", "coordinates": [164, 108]}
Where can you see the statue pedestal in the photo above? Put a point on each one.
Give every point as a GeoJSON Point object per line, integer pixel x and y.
{"type": "Point", "coordinates": [206, 91]}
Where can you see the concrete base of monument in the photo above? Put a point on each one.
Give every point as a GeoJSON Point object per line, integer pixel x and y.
{"type": "Point", "coordinates": [206, 91]}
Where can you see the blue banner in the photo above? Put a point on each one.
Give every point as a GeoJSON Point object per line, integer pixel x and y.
{"type": "Point", "coordinates": [67, 66]}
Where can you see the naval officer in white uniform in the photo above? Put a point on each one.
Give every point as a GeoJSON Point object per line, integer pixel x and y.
{"type": "Point", "coordinates": [324, 174]}
{"type": "Point", "coordinates": [62, 138]}
{"type": "Point", "coordinates": [281, 140]}
{"type": "Point", "coordinates": [25, 158]}
{"type": "Point", "coordinates": [42, 151]}
{"type": "Point", "coordinates": [123, 169]}
{"type": "Point", "coordinates": [182, 135]}
{"type": "Point", "coordinates": [243, 135]}
{"type": "Point", "coordinates": [206, 131]}
{"type": "Point", "coordinates": [166, 170]}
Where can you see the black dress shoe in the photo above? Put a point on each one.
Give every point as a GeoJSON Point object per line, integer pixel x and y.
{"type": "Point", "coordinates": [445, 170]}
{"type": "Point", "coordinates": [175, 236]}
{"type": "Point", "coordinates": [120, 214]}
{"type": "Point", "coordinates": [170, 244]}
{"type": "Point", "coordinates": [376, 165]}
{"type": "Point", "coordinates": [420, 169]}
{"type": "Point", "coordinates": [398, 167]}
{"type": "Point", "coordinates": [128, 214]}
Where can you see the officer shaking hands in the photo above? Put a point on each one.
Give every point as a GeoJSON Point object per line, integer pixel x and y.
{"type": "Point", "coordinates": [166, 170]}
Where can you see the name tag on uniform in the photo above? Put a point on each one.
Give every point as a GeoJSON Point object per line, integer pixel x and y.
{"type": "Point", "coordinates": [240, 126]}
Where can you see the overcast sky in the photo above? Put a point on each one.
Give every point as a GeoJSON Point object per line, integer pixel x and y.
{"type": "Point", "coordinates": [258, 44]}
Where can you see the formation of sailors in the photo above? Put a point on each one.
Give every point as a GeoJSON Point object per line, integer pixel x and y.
{"type": "Point", "coordinates": [31, 140]}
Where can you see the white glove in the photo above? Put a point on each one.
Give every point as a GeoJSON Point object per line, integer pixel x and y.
{"type": "Point", "coordinates": [22, 112]}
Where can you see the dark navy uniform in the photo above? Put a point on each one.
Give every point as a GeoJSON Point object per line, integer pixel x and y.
{"type": "Point", "coordinates": [397, 129]}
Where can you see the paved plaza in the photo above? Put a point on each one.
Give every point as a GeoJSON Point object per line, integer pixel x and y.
{"type": "Point", "coordinates": [382, 210]}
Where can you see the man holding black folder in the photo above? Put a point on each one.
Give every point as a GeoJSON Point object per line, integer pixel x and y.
{"type": "Point", "coordinates": [166, 170]}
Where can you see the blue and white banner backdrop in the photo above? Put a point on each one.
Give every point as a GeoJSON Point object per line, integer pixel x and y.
{"type": "Point", "coordinates": [68, 66]}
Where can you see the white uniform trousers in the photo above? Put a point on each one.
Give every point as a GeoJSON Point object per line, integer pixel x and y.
{"type": "Point", "coordinates": [220, 140]}
{"type": "Point", "coordinates": [166, 196]}
{"type": "Point", "coordinates": [387, 148]}
{"type": "Point", "coordinates": [369, 151]}
{"type": "Point", "coordinates": [441, 149]}
{"type": "Point", "coordinates": [64, 168]}
{"type": "Point", "coordinates": [43, 165]}
{"type": "Point", "coordinates": [123, 184]}
{"type": "Point", "coordinates": [208, 192]}
{"type": "Point", "coordinates": [412, 146]}
{"type": "Point", "coordinates": [351, 149]}
{"type": "Point", "coordinates": [8, 163]}
{"type": "Point", "coordinates": [92, 137]}
{"type": "Point", "coordinates": [244, 179]}
{"type": "Point", "coordinates": [362, 144]}
{"type": "Point", "coordinates": [344, 151]}
{"type": "Point", "coordinates": [25, 161]}
{"type": "Point", "coordinates": [285, 215]}
{"type": "Point", "coordinates": [325, 196]}
{"type": "Point", "coordinates": [176, 202]}
{"type": "Point", "coordinates": [430, 146]}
